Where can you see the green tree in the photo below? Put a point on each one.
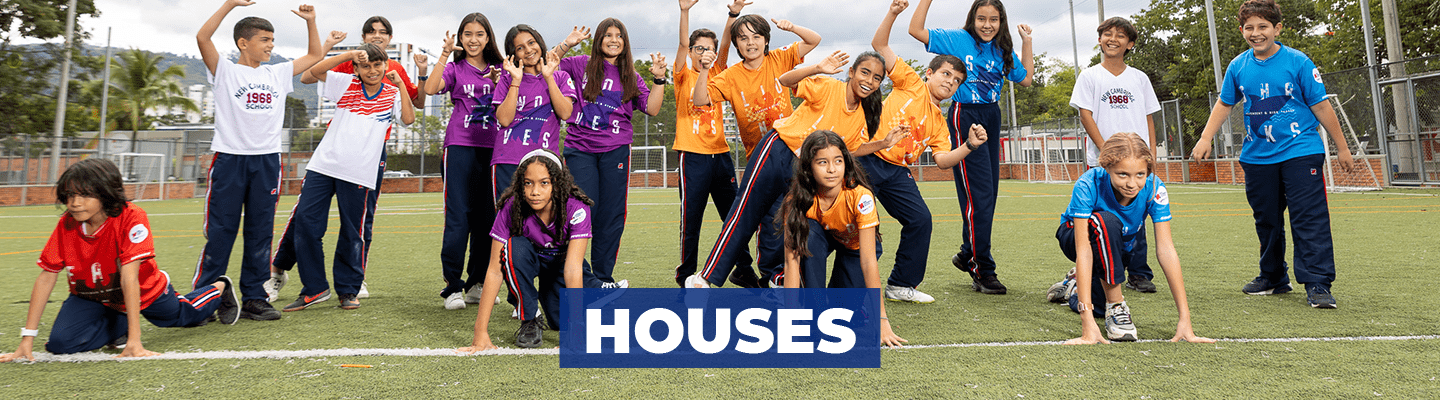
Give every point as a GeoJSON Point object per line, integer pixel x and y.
{"type": "Point", "coordinates": [296, 114]}
{"type": "Point", "coordinates": [27, 92]}
{"type": "Point", "coordinates": [137, 84]}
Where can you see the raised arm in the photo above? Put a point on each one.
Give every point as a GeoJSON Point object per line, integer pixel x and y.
{"type": "Point", "coordinates": [436, 80]}
{"type": "Point", "coordinates": [978, 137]}
{"type": "Point", "coordinates": [808, 38]}
{"type": "Point", "coordinates": [407, 107]}
{"type": "Point", "coordinates": [316, 73]}
{"type": "Point", "coordinates": [736, 6]}
{"type": "Point", "coordinates": [315, 50]}
{"type": "Point", "coordinates": [830, 65]}
{"type": "Point", "coordinates": [208, 54]}
{"type": "Point", "coordinates": [881, 41]}
{"type": "Point", "coordinates": [562, 105]}
{"type": "Point", "coordinates": [1027, 55]}
{"type": "Point", "coordinates": [657, 92]}
{"type": "Point", "coordinates": [577, 35]}
{"type": "Point", "coordinates": [684, 33]}
{"type": "Point", "coordinates": [917, 23]}
{"type": "Point", "coordinates": [700, 94]}
{"type": "Point", "coordinates": [505, 113]}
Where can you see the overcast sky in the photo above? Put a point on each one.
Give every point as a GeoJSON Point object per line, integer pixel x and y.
{"type": "Point", "coordinates": [170, 25]}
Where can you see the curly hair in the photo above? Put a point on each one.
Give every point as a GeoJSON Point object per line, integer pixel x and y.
{"type": "Point", "coordinates": [1123, 146]}
{"type": "Point", "coordinates": [792, 218]}
{"type": "Point", "coordinates": [96, 178]}
{"type": "Point", "coordinates": [562, 189]}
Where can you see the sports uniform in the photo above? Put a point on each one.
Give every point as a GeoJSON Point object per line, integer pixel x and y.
{"type": "Point", "coordinates": [837, 229]}
{"type": "Point", "coordinates": [757, 99]}
{"type": "Point", "coordinates": [1116, 232]}
{"type": "Point", "coordinates": [534, 251]}
{"type": "Point", "coordinates": [469, 198]}
{"type": "Point", "coordinates": [706, 170]}
{"type": "Point", "coordinates": [535, 125]}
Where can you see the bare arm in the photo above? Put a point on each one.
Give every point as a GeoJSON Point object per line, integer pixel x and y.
{"type": "Point", "coordinates": [208, 54]}
{"type": "Point", "coordinates": [881, 41]}
{"type": "Point", "coordinates": [1326, 114]}
{"type": "Point", "coordinates": [890, 139]}
{"type": "Point", "coordinates": [870, 267]}
{"type": "Point", "coordinates": [1084, 265]}
{"type": "Point", "coordinates": [316, 73]}
{"type": "Point", "coordinates": [562, 105]}
{"type": "Point", "coordinates": [917, 23]}
{"type": "Point", "coordinates": [1092, 130]}
{"type": "Point", "coordinates": [407, 107]}
{"type": "Point", "coordinates": [315, 50]}
{"type": "Point", "coordinates": [1217, 117]}
{"type": "Point", "coordinates": [1170, 264]}
{"type": "Point", "coordinates": [505, 114]}
{"type": "Point", "coordinates": [952, 158]}
{"type": "Point", "coordinates": [808, 38]}
{"type": "Point", "coordinates": [436, 80]}
{"type": "Point", "coordinates": [39, 295]}
{"type": "Point", "coordinates": [700, 95]}
{"type": "Point", "coordinates": [130, 288]}
{"type": "Point", "coordinates": [491, 288]}
{"type": "Point", "coordinates": [574, 263]}
{"type": "Point", "coordinates": [1150, 124]}
{"type": "Point", "coordinates": [1027, 55]}
{"type": "Point", "coordinates": [736, 6]}
{"type": "Point", "coordinates": [792, 269]}
{"type": "Point", "coordinates": [830, 65]}
{"type": "Point", "coordinates": [684, 33]}
{"type": "Point", "coordinates": [657, 92]}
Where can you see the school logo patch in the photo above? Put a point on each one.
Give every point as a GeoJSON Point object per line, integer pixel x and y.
{"type": "Point", "coordinates": [1162, 196]}
{"type": "Point", "coordinates": [1313, 172]}
{"type": "Point", "coordinates": [577, 217]}
{"type": "Point", "coordinates": [1316, 74]}
{"type": "Point", "coordinates": [138, 233]}
{"type": "Point", "coordinates": [620, 166]}
{"type": "Point", "coordinates": [867, 204]}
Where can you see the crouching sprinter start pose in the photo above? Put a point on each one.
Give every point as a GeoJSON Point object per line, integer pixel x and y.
{"type": "Point", "coordinates": [1107, 208]}
{"type": "Point", "coordinates": [103, 244]}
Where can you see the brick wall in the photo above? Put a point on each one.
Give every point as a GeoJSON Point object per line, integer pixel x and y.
{"type": "Point", "coordinates": [22, 195]}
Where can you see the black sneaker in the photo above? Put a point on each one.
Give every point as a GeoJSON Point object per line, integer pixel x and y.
{"type": "Point", "coordinates": [349, 302]}
{"type": "Point", "coordinates": [1140, 284]}
{"type": "Point", "coordinates": [259, 310]}
{"type": "Point", "coordinates": [959, 262]}
{"type": "Point", "coordinates": [305, 301]}
{"type": "Point", "coordinates": [529, 334]}
{"type": "Point", "coordinates": [988, 284]}
{"type": "Point", "coordinates": [744, 277]}
{"type": "Point", "coordinates": [1319, 296]}
{"type": "Point", "coordinates": [229, 311]}
{"type": "Point", "coordinates": [1261, 287]}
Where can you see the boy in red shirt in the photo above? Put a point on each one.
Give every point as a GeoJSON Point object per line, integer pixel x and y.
{"type": "Point", "coordinates": [103, 244]}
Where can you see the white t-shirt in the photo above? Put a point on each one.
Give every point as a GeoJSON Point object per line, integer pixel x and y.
{"type": "Point", "coordinates": [354, 139]}
{"type": "Point", "coordinates": [249, 106]}
{"type": "Point", "coordinates": [1117, 103]}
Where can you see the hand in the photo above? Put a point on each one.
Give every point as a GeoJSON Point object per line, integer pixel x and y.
{"type": "Point", "coordinates": [305, 11]}
{"type": "Point", "coordinates": [783, 24]}
{"type": "Point", "coordinates": [134, 349]}
{"type": "Point", "coordinates": [20, 352]}
{"type": "Point", "coordinates": [335, 38]}
{"type": "Point", "coordinates": [738, 5]}
{"type": "Point", "coordinates": [421, 62]}
{"type": "Point", "coordinates": [898, 6]}
{"type": "Point", "coordinates": [686, 4]}
{"type": "Point", "coordinates": [512, 66]}
{"type": "Point", "coordinates": [1189, 337]}
{"type": "Point", "coordinates": [707, 59]}
{"type": "Point", "coordinates": [359, 56]}
{"type": "Point", "coordinates": [448, 46]}
{"type": "Point", "coordinates": [481, 343]}
{"type": "Point", "coordinates": [1089, 332]}
{"type": "Point", "coordinates": [834, 63]}
{"type": "Point", "coordinates": [578, 34]}
{"type": "Point", "coordinates": [1348, 162]}
{"type": "Point", "coordinates": [657, 65]}
{"type": "Point", "coordinates": [239, 3]}
{"type": "Point", "coordinates": [896, 133]}
{"type": "Point", "coordinates": [1024, 32]}
{"type": "Point", "coordinates": [977, 133]}
{"type": "Point", "coordinates": [1201, 151]}
{"type": "Point", "coordinates": [393, 77]}
{"type": "Point", "coordinates": [549, 64]}
{"type": "Point", "coordinates": [888, 336]}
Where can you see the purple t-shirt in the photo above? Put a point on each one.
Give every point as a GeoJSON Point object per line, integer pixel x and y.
{"type": "Point", "coordinates": [578, 221]}
{"type": "Point", "coordinates": [604, 124]}
{"type": "Point", "coordinates": [535, 125]}
{"type": "Point", "coordinates": [472, 123]}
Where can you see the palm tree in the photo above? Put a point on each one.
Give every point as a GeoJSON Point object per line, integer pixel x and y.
{"type": "Point", "coordinates": [138, 84]}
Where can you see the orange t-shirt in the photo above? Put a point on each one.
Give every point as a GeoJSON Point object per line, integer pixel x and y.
{"type": "Point", "coordinates": [756, 96]}
{"type": "Point", "coordinates": [699, 130]}
{"type": "Point", "coordinates": [854, 210]}
{"type": "Point", "coordinates": [910, 103]}
{"type": "Point", "coordinates": [824, 109]}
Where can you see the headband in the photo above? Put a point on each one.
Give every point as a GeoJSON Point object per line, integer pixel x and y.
{"type": "Point", "coordinates": [542, 153]}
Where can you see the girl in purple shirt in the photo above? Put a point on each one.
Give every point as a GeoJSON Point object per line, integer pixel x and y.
{"type": "Point", "coordinates": [469, 145]}
{"type": "Point", "coordinates": [530, 108]}
{"type": "Point", "coordinates": [597, 147]}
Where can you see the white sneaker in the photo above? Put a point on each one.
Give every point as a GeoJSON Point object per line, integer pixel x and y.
{"type": "Point", "coordinates": [455, 301]}
{"type": "Point", "coordinates": [364, 291]}
{"type": "Point", "coordinates": [910, 294]}
{"type": "Point", "coordinates": [696, 282]}
{"type": "Point", "coordinates": [1118, 326]}
{"type": "Point", "coordinates": [1060, 291]}
{"type": "Point", "coordinates": [274, 284]}
{"type": "Point", "coordinates": [472, 296]}
{"type": "Point", "coordinates": [622, 284]}
{"type": "Point", "coordinates": [515, 314]}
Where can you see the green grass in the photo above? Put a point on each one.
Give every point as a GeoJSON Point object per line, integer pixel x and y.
{"type": "Point", "coordinates": [1384, 246]}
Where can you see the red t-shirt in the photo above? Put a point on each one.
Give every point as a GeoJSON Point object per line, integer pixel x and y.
{"type": "Point", "coordinates": [410, 88]}
{"type": "Point", "coordinates": [93, 260]}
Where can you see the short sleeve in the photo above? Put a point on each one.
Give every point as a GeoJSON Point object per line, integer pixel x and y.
{"type": "Point", "coordinates": [284, 76]}
{"type": "Point", "coordinates": [716, 86]}
{"type": "Point", "coordinates": [500, 230]}
{"type": "Point", "coordinates": [903, 77]}
{"type": "Point", "coordinates": [789, 56]}
{"type": "Point", "coordinates": [1159, 202]}
{"type": "Point", "coordinates": [1017, 71]}
{"type": "Point", "coordinates": [812, 88]}
{"type": "Point", "coordinates": [51, 257]}
{"type": "Point", "coordinates": [575, 66]}
{"type": "Point", "coordinates": [942, 41]}
{"type": "Point", "coordinates": [566, 83]}
{"type": "Point", "coordinates": [1152, 102]}
{"type": "Point", "coordinates": [579, 220]}
{"type": "Point", "coordinates": [1229, 89]}
{"type": "Point", "coordinates": [399, 102]}
{"type": "Point", "coordinates": [448, 78]}
{"type": "Point", "coordinates": [1082, 97]}
{"type": "Point", "coordinates": [502, 87]}
{"type": "Point", "coordinates": [137, 244]}
{"type": "Point", "coordinates": [222, 67]}
{"type": "Point", "coordinates": [1082, 198]}
{"type": "Point", "coordinates": [866, 216]}
{"type": "Point", "coordinates": [1312, 87]}
{"type": "Point", "coordinates": [336, 83]}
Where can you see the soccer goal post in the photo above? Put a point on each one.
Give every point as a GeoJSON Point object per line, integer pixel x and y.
{"type": "Point", "coordinates": [145, 171]}
{"type": "Point", "coordinates": [1359, 180]}
{"type": "Point", "coordinates": [651, 165]}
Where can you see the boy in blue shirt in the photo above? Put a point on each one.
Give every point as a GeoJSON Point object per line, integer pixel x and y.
{"type": "Point", "coordinates": [1283, 156]}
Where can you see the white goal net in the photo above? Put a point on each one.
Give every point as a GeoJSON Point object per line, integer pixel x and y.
{"type": "Point", "coordinates": [650, 167]}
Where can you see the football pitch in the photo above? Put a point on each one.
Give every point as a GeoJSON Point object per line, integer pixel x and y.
{"type": "Point", "coordinates": [1382, 341]}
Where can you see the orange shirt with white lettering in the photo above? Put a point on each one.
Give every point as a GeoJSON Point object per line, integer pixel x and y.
{"type": "Point", "coordinates": [756, 95]}
{"type": "Point", "coordinates": [699, 130]}
{"type": "Point", "coordinates": [824, 109]}
{"type": "Point", "coordinates": [853, 210]}
{"type": "Point", "coordinates": [910, 103]}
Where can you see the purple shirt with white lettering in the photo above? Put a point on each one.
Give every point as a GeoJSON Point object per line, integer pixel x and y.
{"type": "Point", "coordinates": [577, 219]}
{"type": "Point", "coordinates": [535, 125]}
{"type": "Point", "coordinates": [604, 124]}
{"type": "Point", "coordinates": [472, 123]}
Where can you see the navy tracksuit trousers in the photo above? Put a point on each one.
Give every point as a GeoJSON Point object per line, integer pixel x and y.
{"type": "Point", "coordinates": [848, 273]}
{"type": "Point", "coordinates": [976, 180]}
{"type": "Point", "coordinates": [1297, 184]}
{"type": "Point", "coordinates": [469, 215]}
{"type": "Point", "coordinates": [84, 325]}
{"type": "Point", "coordinates": [898, 193]}
{"type": "Point", "coordinates": [704, 177]}
{"type": "Point", "coordinates": [605, 177]}
{"type": "Point", "coordinates": [521, 264]}
{"type": "Point", "coordinates": [309, 221]}
{"type": "Point", "coordinates": [767, 178]}
{"type": "Point", "coordinates": [1108, 256]}
{"type": "Point", "coordinates": [248, 183]}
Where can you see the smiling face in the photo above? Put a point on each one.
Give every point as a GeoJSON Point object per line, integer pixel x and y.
{"type": "Point", "coordinates": [527, 49]}
{"type": "Point", "coordinates": [371, 73]}
{"type": "Point", "coordinates": [473, 39]}
{"type": "Point", "coordinates": [1127, 177]}
{"type": "Point", "coordinates": [987, 22]}
{"type": "Point", "coordinates": [943, 81]}
{"type": "Point", "coordinates": [828, 168]}
{"type": "Point", "coordinates": [1260, 35]}
{"type": "Point", "coordinates": [612, 43]}
{"type": "Point", "coordinates": [865, 76]}
{"type": "Point", "coordinates": [258, 46]}
{"type": "Point", "coordinates": [537, 188]}
{"type": "Point", "coordinates": [1114, 43]}
{"type": "Point", "coordinates": [750, 44]}
{"type": "Point", "coordinates": [378, 35]}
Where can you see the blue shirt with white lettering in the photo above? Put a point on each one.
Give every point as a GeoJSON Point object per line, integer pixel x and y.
{"type": "Point", "coordinates": [1278, 92]}
{"type": "Point", "coordinates": [1093, 192]}
{"type": "Point", "coordinates": [984, 66]}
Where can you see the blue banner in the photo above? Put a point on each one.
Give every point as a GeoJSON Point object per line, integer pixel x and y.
{"type": "Point", "coordinates": [720, 328]}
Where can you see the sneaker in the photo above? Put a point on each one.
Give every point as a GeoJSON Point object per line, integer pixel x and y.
{"type": "Point", "coordinates": [455, 301]}
{"type": "Point", "coordinates": [529, 334]}
{"type": "Point", "coordinates": [1059, 291]}
{"type": "Point", "coordinates": [1140, 284]}
{"type": "Point", "coordinates": [744, 277]}
{"type": "Point", "coordinates": [1319, 296]}
{"type": "Point", "coordinates": [696, 282]}
{"type": "Point", "coordinates": [910, 294]}
{"type": "Point", "coordinates": [613, 290]}
{"type": "Point", "coordinates": [305, 301]}
{"type": "Point", "coordinates": [274, 284]}
{"type": "Point", "coordinates": [229, 311]}
{"type": "Point", "coordinates": [364, 291]}
{"type": "Point", "coordinates": [1261, 286]}
{"type": "Point", "coordinates": [472, 296]}
{"type": "Point", "coordinates": [1118, 326]}
{"type": "Point", "coordinates": [258, 310]}
{"type": "Point", "coordinates": [960, 263]}
{"type": "Point", "coordinates": [987, 284]}
{"type": "Point", "coordinates": [119, 342]}
{"type": "Point", "coordinates": [349, 301]}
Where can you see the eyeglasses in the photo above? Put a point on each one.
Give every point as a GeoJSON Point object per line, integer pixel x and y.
{"type": "Point", "coordinates": [699, 49]}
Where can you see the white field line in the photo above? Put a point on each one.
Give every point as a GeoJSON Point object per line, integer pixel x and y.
{"type": "Point", "coordinates": [319, 353]}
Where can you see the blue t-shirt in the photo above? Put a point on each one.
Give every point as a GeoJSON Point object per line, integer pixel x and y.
{"type": "Point", "coordinates": [984, 67]}
{"type": "Point", "coordinates": [1093, 193]}
{"type": "Point", "coordinates": [1278, 93]}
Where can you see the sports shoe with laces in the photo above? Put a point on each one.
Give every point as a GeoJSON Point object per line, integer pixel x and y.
{"type": "Point", "coordinates": [987, 284]}
{"type": "Point", "coordinates": [1140, 284]}
{"type": "Point", "coordinates": [305, 301]}
{"type": "Point", "coordinates": [258, 310]}
{"type": "Point", "coordinates": [910, 294]}
{"type": "Point", "coordinates": [696, 282]}
{"type": "Point", "coordinates": [1118, 326]}
{"type": "Point", "coordinates": [1319, 296]}
{"type": "Point", "coordinates": [274, 284]}
{"type": "Point", "coordinates": [613, 290]}
{"type": "Point", "coordinates": [229, 310]}
{"type": "Point", "coordinates": [472, 296]}
{"type": "Point", "coordinates": [349, 301]}
{"type": "Point", "coordinates": [1261, 286]}
{"type": "Point", "coordinates": [529, 334]}
{"type": "Point", "coordinates": [959, 262]}
{"type": "Point", "coordinates": [364, 291]}
{"type": "Point", "coordinates": [455, 301]}
{"type": "Point", "coordinates": [1059, 290]}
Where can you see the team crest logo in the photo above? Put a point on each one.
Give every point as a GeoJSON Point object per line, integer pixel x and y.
{"type": "Point", "coordinates": [1316, 74]}
{"type": "Point", "coordinates": [1313, 172]}
{"type": "Point", "coordinates": [867, 204]}
{"type": "Point", "coordinates": [620, 166]}
{"type": "Point", "coordinates": [1118, 98]}
{"type": "Point", "coordinates": [577, 217]}
{"type": "Point", "coordinates": [1162, 196]}
{"type": "Point", "coordinates": [138, 233]}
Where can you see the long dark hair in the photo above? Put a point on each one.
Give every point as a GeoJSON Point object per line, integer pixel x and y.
{"type": "Point", "coordinates": [873, 103]}
{"type": "Point", "coordinates": [562, 189]}
{"type": "Point", "coordinates": [490, 54]}
{"type": "Point", "coordinates": [510, 48]}
{"type": "Point", "coordinates": [595, 69]}
{"type": "Point", "coordinates": [93, 177]}
{"type": "Point", "coordinates": [1002, 36]}
{"type": "Point", "coordinates": [792, 219]}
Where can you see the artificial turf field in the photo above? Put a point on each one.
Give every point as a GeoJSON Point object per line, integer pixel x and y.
{"type": "Point", "coordinates": [1381, 342]}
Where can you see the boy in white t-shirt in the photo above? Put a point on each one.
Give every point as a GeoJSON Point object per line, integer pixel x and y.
{"type": "Point", "coordinates": [245, 172]}
{"type": "Point", "coordinates": [343, 165]}
{"type": "Point", "coordinates": [1113, 97]}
